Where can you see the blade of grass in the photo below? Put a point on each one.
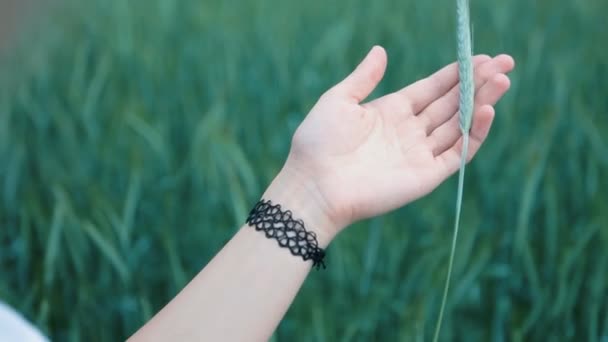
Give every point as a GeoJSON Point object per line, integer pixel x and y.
{"type": "Point", "coordinates": [53, 243]}
{"type": "Point", "coordinates": [107, 250]}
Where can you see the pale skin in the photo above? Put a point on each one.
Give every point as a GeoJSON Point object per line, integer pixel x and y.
{"type": "Point", "coordinates": [349, 160]}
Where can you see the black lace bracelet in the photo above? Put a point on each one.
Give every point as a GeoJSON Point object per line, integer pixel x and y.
{"type": "Point", "coordinates": [290, 233]}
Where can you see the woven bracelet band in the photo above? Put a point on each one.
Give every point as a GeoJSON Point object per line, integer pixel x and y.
{"type": "Point", "coordinates": [289, 232]}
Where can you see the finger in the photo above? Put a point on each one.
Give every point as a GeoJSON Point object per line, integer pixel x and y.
{"type": "Point", "coordinates": [364, 79]}
{"type": "Point", "coordinates": [396, 104]}
{"type": "Point", "coordinates": [493, 90]}
{"type": "Point", "coordinates": [421, 93]}
{"type": "Point", "coordinates": [446, 135]}
{"type": "Point", "coordinates": [450, 159]}
{"type": "Point", "coordinates": [444, 108]}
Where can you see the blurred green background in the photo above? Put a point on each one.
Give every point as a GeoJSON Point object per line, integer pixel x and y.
{"type": "Point", "coordinates": [135, 136]}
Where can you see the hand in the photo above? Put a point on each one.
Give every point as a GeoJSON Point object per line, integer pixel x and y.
{"type": "Point", "coordinates": [358, 160]}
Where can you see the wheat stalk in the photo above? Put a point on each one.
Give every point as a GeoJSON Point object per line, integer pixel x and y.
{"type": "Point", "coordinates": [467, 93]}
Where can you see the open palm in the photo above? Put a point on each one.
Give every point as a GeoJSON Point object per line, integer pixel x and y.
{"type": "Point", "coordinates": [368, 158]}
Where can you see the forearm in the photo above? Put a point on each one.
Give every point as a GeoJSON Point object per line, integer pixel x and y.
{"type": "Point", "coordinates": [243, 293]}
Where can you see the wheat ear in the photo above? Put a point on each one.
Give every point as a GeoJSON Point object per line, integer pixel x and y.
{"type": "Point", "coordinates": [467, 93]}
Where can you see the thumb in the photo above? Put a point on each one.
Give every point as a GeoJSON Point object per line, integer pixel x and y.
{"type": "Point", "coordinates": [364, 79]}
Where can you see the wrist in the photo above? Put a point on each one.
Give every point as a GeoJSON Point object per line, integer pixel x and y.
{"type": "Point", "coordinates": [300, 194]}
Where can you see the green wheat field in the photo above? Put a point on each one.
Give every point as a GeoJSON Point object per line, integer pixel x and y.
{"type": "Point", "coordinates": [136, 135]}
